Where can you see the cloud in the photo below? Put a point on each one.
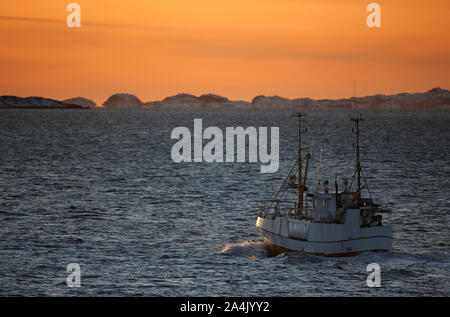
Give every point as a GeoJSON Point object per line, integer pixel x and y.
{"type": "Point", "coordinates": [63, 21]}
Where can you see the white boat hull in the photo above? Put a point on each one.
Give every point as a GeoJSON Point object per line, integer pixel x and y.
{"type": "Point", "coordinates": [326, 239]}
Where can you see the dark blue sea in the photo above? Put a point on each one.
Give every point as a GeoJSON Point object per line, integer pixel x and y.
{"type": "Point", "coordinates": [99, 188]}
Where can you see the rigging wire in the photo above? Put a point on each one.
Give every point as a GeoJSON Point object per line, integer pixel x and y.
{"type": "Point", "coordinates": [350, 162]}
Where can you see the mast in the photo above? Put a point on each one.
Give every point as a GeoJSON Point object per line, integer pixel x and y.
{"type": "Point", "coordinates": [358, 161]}
{"type": "Point", "coordinates": [305, 189]}
{"type": "Point", "coordinates": [300, 164]}
{"type": "Point", "coordinates": [318, 168]}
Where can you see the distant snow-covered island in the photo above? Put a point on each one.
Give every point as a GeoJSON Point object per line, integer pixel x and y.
{"type": "Point", "coordinates": [191, 101]}
{"type": "Point", "coordinates": [435, 98]}
{"type": "Point", "coordinates": [14, 102]}
{"type": "Point", "coordinates": [84, 102]}
{"type": "Point", "coordinates": [123, 101]}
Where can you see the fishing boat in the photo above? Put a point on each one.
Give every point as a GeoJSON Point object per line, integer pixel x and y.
{"type": "Point", "coordinates": [324, 222]}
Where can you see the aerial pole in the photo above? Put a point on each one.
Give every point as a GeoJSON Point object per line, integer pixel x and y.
{"type": "Point", "coordinates": [358, 161]}
{"type": "Point", "coordinates": [305, 189]}
{"type": "Point", "coordinates": [300, 164]}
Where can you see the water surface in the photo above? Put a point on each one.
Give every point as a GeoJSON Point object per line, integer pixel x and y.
{"type": "Point", "coordinates": [99, 188]}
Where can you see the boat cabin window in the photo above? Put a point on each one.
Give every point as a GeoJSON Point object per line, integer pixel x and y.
{"type": "Point", "coordinates": [318, 202]}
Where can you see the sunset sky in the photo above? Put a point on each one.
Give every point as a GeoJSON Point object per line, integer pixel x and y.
{"type": "Point", "coordinates": [234, 48]}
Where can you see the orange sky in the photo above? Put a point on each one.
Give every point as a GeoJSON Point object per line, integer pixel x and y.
{"type": "Point", "coordinates": [235, 48]}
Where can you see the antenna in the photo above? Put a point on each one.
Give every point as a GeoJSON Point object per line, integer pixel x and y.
{"type": "Point", "coordinates": [300, 163]}
{"type": "Point", "coordinates": [319, 167]}
{"type": "Point", "coordinates": [357, 119]}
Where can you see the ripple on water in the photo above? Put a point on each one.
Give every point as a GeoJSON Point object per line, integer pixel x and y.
{"type": "Point", "coordinates": [63, 171]}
